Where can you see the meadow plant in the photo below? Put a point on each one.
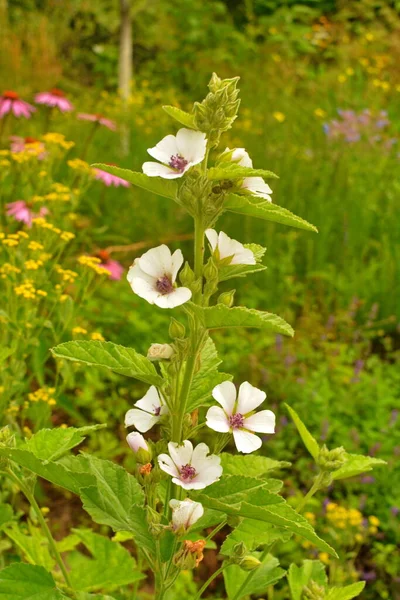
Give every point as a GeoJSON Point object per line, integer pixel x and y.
{"type": "Point", "coordinates": [185, 488]}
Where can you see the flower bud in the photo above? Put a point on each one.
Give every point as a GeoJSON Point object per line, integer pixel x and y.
{"type": "Point", "coordinates": [185, 513]}
{"type": "Point", "coordinates": [239, 549]}
{"type": "Point", "coordinates": [160, 352]}
{"type": "Point", "coordinates": [331, 460]}
{"type": "Point", "coordinates": [249, 563]}
{"type": "Point", "coordinates": [138, 444]}
{"type": "Point", "coordinates": [313, 591]}
{"type": "Point", "coordinates": [176, 329]}
{"type": "Point", "coordinates": [186, 276]}
{"type": "Point", "coordinates": [227, 298]}
{"type": "Point", "coordinates": [211, 271]}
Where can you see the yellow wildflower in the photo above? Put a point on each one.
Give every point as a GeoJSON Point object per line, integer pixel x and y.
{"type": "Point", "coordinates": [374, 520]}
{"type": "Point", "coordinates": [10, 242]}
{"type": "Point", "coordinates": [35, 246]}
{"type": "Point", "coordinates": [97, 336]}
{"type": "Point", "coordinates": [342, 78]}
{"type": "Point", "coordinates": [324, 557]}
{"type": "Point", "coordinates": [33, 265]}
{"type": "Point", "coordinates": [79, 330]}
{"type": "Point", "coordinates": [320, 113]}
{"type": "Point", "coordinates": [279, 116]}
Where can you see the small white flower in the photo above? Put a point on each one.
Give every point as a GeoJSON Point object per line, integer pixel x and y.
{"type": "Point", "coordinates": [160, 352]}
{"type": "Point", "coordinates": [230, 248]}
{"type": "Point", "coordinates": [177, 154]}
{"type": "Point", "coordinates": [255, 185]}
{"type": "Point", "coordinates": [153, 276]}
{"type": "Point", "coordinates": [149, 410]}
{"type": "Point", "coordinates": [236, 415]}
{"type": "Point", "coordinates": [136, 441]}
{"type": "Point", "coordinates": [185, 513]}
{"type": "Point", "coordinates": [191, 468]}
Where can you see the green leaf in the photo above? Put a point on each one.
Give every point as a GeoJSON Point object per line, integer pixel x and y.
{"type": "Point", "coordinates": [20, 581]}
{"type": "Point", "coordinates": [235, 171]}
{"type": "Point", "coordinates": [215, 317]}
{"type": "Point", "coordinates": [5, 352]}
{"type": "Point", "coordinates": [299, 577]}
{"type": "Point", "coordinates": [252, 535]}
{"type": "Point", "coordinates": [125, 361]}
{"type": "Point", "coordinates": [309, 441]}
{"type": "Point", "coordinates": [109, 567]}
{"type": "Point", "coordinates": [356, 464]}
{"type": "Point", "coordinates": [156, 185]}
{"type": "Point", "coordinates": [34, 547]}
{"type": "Point", "coordinates": [257, 250]}
{"type": "Point", "coordinates": [181, 116]}
{"type": "Point", "coordinates": [238, 583]}
{"type": "Point", "coordinates": [88, 596]}
{"type": "Point", "coordinates": [231, 271]}
{"type": "Point", "coordinates": [245, 205]}
{"type": "Point", "coordinates": [51, 444]}
{"type": "Point", "coordinates": [6, 514]}
{"type": "Point", "coordinates": [207, 377]}
{"type": "Point", "coordinates": [250, 466]}
{"type": "Point", "coordinates": [346, 593]}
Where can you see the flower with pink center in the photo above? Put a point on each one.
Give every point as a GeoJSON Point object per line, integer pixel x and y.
{"type": "Point", "coordinates": [177, 154]}
{"type": "Point", "coordinates": [55, 98]}
{"type": "Point", "coordinates": [256, 186]}
{"type": "Point", "coordinates": [110, 180]}
{"type": "Point", "coordinates": [149, 411]}
{"type": "Point", "coordinates": [10, 102]}
{"type": "Point", "coordinates": [191, 468]}
{"type": "Point", "coordinates": [21, 211]}
{"type": "Point", "coordinates": [153, 277]}
{"type": "Point", "coordinates": [27, 144]}
{"type": "Point", "coordinates": [237, 415]}
{"type": "Point", "coordinates": [97, 118]}
{"type": "Point", "coordinates": [112, 266]}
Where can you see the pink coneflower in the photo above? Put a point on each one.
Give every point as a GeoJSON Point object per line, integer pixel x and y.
{"type": "Point", "coordinates": [21, 211]}
{"type": "Point", "coordinates": [109, 179]}
{"type": "Point", "coordinates": [97, 118]}
{"type": "Point", "coordinates": [55, 98]}
{"type": "Point", "coordinates": [113, 266]}
{"type": "Point", "coordinates": [27, 144]}
{"type": "Point", "coordinates": [10, 102]}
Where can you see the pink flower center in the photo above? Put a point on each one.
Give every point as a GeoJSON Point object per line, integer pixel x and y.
{"type": "Point", "coordinates": [57, 92]}
{"type": "Point", "coordinates": [188, 472]}
{"type": "Point", "coordinates": [178, 163]}
{"type": "Point", "coordinates": [164, 285]}
{"type": "Point", "coordinates": [156, 410]}
{"type": "Point", "coordinates": [236, 421]}
{"type": "Point", "coordinates": [9, 95]}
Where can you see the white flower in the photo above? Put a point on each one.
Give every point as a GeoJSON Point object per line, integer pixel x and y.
{"type": "Point", "coordinates": [153, 276]}
{"type": "Point", "coordinates": [230, 248]}
{"type": "Point", "coordinates": [185, 513]}
{"type": "Point", "coordinates": [255, 185]}
{"type": "Point", "coordinates": [136, 441]}
{"type": "Point", "coordinates": [160, 352]}
{"type": "Point", "coordinates": [177, 154]}
{"type": "Point", "coordinates": [238, 155]}
{"type": "Point", "coordinates": [191, 468]}
{"type": "Point", "coordinates": [149, 411]}
{"type": "Point", "coordinates": [236, 415]}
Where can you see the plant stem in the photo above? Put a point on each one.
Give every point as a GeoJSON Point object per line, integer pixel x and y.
{"type": "Point", "coordinates": [53, 547]}
{"type": "Point", "coordinates": [251, 574]}
{"type": "Point", "coordinates": [216, 529]}
{"type": "Point", "coordinates": [198, 257]}
{"type": "Point", "coordinates": [313, 490]}
{"type": "Point", "coordinates": [209, 580]}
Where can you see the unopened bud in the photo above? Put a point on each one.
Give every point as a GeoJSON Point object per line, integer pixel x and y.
{"type": "Point", "coordinates": [185, 513]}
{"type": "Point", "coordinates": [227, 298]}
{"type": "Point", "coordinates": [239, 549]}
{"type": "Point", "coordinates": [211, 271]}
{"type": "Point", "coordinates": [249, 563]}
{"type": "Point", "coordinates": [186, 276]}
{"type": "Point", "coordinates": [331, 460]}
{"type": "Point", "coordinates": [160, 352]}
{"type": "Point", "coordinates": [313, 591]}
{"type": "Point", "coordinates": [176, 329]}
{"type": "Point", "coordinates": [138, 444]}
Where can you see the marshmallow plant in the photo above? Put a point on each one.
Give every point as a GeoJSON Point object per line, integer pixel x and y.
{"type": "Point", "coordinates": [196, 474]}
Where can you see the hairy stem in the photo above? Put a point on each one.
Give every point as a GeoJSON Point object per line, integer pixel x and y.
{"type": "Point", "coordinates": [209, 580]}
{"type": "Point", "coordinates": [313, 490]}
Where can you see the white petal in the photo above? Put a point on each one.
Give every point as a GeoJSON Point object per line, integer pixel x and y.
{"type": "Point", "coordinates": [199, 455]}
{"type": "Point", "coordinates": [249, 398]}
{"type": "Point", "coordinates": [241, 157]}
{"type": "Point", "coordinates": [136, 272]}
{"type": "Point", "coordinates": [211, 473]}
{"type": "Point", "coordinates": [229, 247]}
{"type": "Point", "coordinates": [166, 148]}
{"type": "Point", "coordinates": [212, 237]}
{"type": "Point", "coordinates": [216, 419]}
{"type": "Point", "coordinates": [156, 262]}
{"type": "Point", "coordinates": [258, 187]}
{"type": "Point", "coordinates": [261, 422]}
{"type": "Point", "coordinates": [153, 169]}
{"type": "Point", "coordinates": [181, 454]}
{"type": "Point", "coordinates": [191, 145]}
{"type": "Point", "coordinates": [136, 441]}
{"type": "Point", "coordinates": [142, 420]}
{"type": "Point", "coordinates": [176, 298]}
{"type": "Point", "coordinates": [245, 441]}
{"type": "Point", "coordinates": [225, 394]}
{"type": "Point", "coordinates": [176, 263]}
{"type": "Point", "coordinates": [144, 289]}
{"type": "Point", "coordinates": [150, 400]}
{"type": "Point", "coordinates": [167, 464]}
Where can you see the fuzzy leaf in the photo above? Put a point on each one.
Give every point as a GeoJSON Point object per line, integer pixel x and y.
{"type": "Point", "coordinates": [299, 577]}
{"type": "Point", "coordinates": [6, 514]}
{"type": "Point", "coordinates": [34, 547]}
{"type": "Point", "coordinates": [231, 271]}
{"type": "Point", "coordinates": [20, 581]}
{"type": "Point", "coordinates": [309, 441]}
{"type": "Point", "coordinates": [215, 317]}
{"type": "Point", "coordinates": [246, 205]}
{"type": "Point", "coordinates": [51, 444]}
{"type": "Point", "coordinates": [109, 567]}
{"type": "Point", "coordinates": [346, 593]}
{"type": "Point", "coordinates": [356, 464]}
{"type": "Point", "coordinates": [252, 535]}
{"type": "Point", "coordinates": [238, 584]}
{"type": "Point", "coordinates": [125, 361]}
{"type": "Point", "coordinates": [181, 116]}
{"type": "Point", "coordinates": [156, 185]}
{"type": "Point", "coordinates": [234, 171]}
{"type": "Point", "coordinates": [250, 466]}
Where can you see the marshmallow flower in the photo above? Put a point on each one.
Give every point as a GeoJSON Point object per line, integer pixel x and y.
{"type": "Point", "coordinates": [237, 415]}
{"type": "Point", "coordinates": [153, 276]}
{"type": "Point", "coordinates": [191, 468]}
{"type": "Point", "coordinates": [177, 154]}
{"type": "Point", "coordinates": [185, 513]}
{"type": "Point", "coordinates": [255, 185]}
{"type": "Point", "coordinates": [228, 248]}
{"type": "Point", "coordinates": [136, 441]}
{"type": "Point", "coordinates": [149, 410]}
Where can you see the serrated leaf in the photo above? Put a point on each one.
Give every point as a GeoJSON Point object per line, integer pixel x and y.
{"type": "Point", "coordinates": [356, 464]}
{"type": "Point", "coordinates": [309, 441]}
{"type": "Point", "coordinates": [181, 116]}
{"type": "Point", "coordinates": [346, 593]}
{"type": "Point", "coordinates": [231, 271]}
{"type": "Point", "coordinates": [245, 205]}
{"type": "Point", "coordinates": [156, 185]}
{"type": "Point", "coordinates": [51, 444]}
{"type": "Point", "coordinates": [109, 567]}
{"type": "Point", "coordinates": [125, 361]}
{"type": "Point", "coordinates": [252, 535]}
{"type": "Point", "coordinates": [299, 577]}
{"type": "Point", "coordinates": [250, 466]}
{"type": "Point", "coordinates": [20, 581]}
{"type": "Point", "coordinates": [235, 171]}
{"type": "Point", "coordinates": [34, 547]}
{"type": "Point", "coordinates": [257, 250]}
{"type": "Point", "coordinates": [238, 583]}
{"type": "Point", "coordinates": [216, 317]}
{"type": "Point", "coordinates": [6, 514]}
